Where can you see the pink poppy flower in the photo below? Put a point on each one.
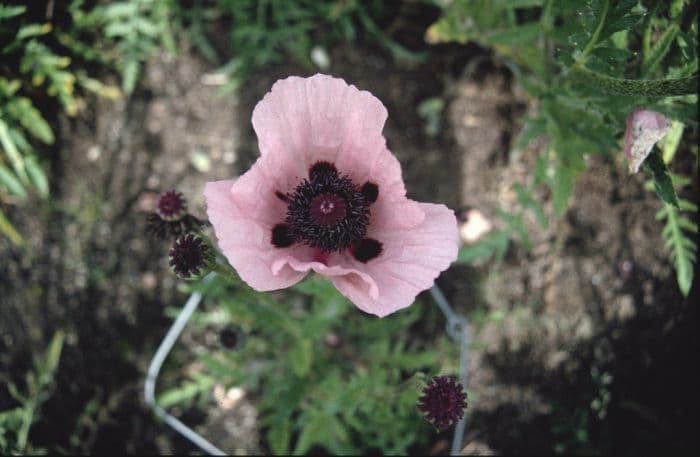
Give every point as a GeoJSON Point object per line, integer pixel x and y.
{"type": "Point", "coordinates": [643, 129]}
{"type": "Point", "coordinates": [326, 195]}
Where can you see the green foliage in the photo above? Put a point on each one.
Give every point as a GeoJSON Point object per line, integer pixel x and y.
{"type": "Point", "coordinates": [261, 33]}
{"type": "Point", "coordinates": [136, 27]}
{"type": "Point", "coordinates": [325, 373]}
{"type": "Point", "coordinates": [15, 423]}
{"type": "Point", "coordinates": [35, 68]}
{"type": "Point", "coordinates": [677, 234]}
{"type": "Point", "coordinates": [589, 63]}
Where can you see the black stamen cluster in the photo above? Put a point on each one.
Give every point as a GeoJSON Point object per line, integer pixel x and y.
{"type": "Point", "coordinates": [325, 179]}
{"type": "Point", "coordinates": [443, 401]}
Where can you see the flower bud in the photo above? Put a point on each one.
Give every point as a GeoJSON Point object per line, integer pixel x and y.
{"type": "Point", "coordinates": [443, 401]}
{"type": "Point", "coordinates": [191, 257]}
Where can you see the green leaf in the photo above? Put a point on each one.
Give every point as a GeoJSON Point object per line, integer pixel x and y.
{"type": "Point", "coordinates": [9, 181]}
{"type": "Point", "coordinates": [33, 30]}
{"type": "Point", "coordinates": [495, 243]}
{"type": "Point", "coordinates": [279, 436]}
{"type": "Point", "coordinates": [312, 432]}
{"type": "Point", "coordinates": [52, 357]}
{"type": "Point", "coordinates": [9, 231]}
{"type": "Point", "coordinates": [187, 391]}
{"type": "Point", "coordinates": [528, 201]}
{"type": "Point", "coordinates": [300, 357]}
{"type": "Point", "coordinates": [562, 186]}
{"type": "Point", "coordinates": [11, 11]}
{"type": "Point", "coordinates": [37, 176]}
{"type": "Point", "coordinates": [654, 165]}
{"type": "Point", "coordinates": [12, 152]}
{"type": "Point", "coordinates": [515, 35]}
{"type": "Point", "coordinates": [682, 247]}
{"type": "Point", "coordinates": [129, 76]}
{"type": "Point", "coordinates": [610, 54]}
{"type": "Point", "coordinates": [31, 119]}
{"type": "Point", "coordinates": [660, 50]}
{"type": "Point", "coordinates": [121, 9]}
{"type": "Point", "coordinates": [533, 128]}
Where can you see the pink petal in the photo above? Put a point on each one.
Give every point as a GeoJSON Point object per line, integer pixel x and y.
{"type": "Point", "coordinates": [243, 219]}
{"type": "Point", "coordinates": [411, 259]}
{"type": "Point", "coordinates": [324, 119]}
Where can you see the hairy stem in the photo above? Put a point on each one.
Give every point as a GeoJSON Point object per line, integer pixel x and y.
{"type": "Point", "coordinates": [635, 87]}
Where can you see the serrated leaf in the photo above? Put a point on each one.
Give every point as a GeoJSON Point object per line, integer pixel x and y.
{"type": "Point", "coordinates": [681, 246]}
{"type": "Point", "coordinates": [313, 431]}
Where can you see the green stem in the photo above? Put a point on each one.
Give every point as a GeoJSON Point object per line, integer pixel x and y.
{"type": "Point", "coordinates": [646, 36]}
{"type": "Point", "coordinates": [635, 87]}
{"type": "Point", "coordinates": [225, 271]}
{"type": "Point", "coordinates": [581, 59]}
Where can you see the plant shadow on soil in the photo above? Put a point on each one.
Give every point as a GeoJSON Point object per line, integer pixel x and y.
{"type": "Point", "coordinates": [105, 282]}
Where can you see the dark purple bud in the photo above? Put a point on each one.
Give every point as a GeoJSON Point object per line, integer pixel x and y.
{"type": "Point", "coordinates": [171, 205]}
{"type": "Point", "coordinates": [190, 257]}
{"type": "Point", "coordinates": [443, 401]}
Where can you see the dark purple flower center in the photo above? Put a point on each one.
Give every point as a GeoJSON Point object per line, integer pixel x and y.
{"type": "Point", "coordinates": [171, 205]}
{"type": "Point", "coordinates": [328, 212]}
{"type": "Point", "coordinates": [327, 209]}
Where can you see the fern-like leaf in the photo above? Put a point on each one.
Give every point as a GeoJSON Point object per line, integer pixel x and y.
{"type": "Point", "coordinates": [677, 235]}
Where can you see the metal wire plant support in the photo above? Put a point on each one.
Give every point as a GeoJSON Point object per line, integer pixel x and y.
{"type": "Point", "coordinates": [456, 328]}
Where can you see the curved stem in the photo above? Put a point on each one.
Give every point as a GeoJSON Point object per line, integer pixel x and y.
{"type": "Point", "coordinates": [225, 271]}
